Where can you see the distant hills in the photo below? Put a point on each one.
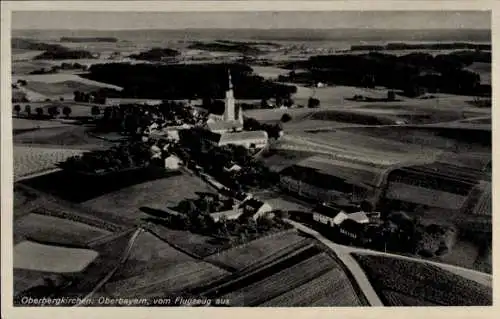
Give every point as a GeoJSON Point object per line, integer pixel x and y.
{"type": "Point", "coordinates": [345, 35]}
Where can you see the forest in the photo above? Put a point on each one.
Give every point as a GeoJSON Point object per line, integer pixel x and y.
{"type": "Point", "coordinates": [187, 81]}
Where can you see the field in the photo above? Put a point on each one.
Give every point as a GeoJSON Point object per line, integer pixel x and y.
{"type": "Point", "coordinates": [30, 160]}
{"type": "Point", "coordinates": [332, 289]}
{"type": "Point", "coordinates": [423, 282]}
{"type": "Point", "coordinates": [63, 89]}
{"type": "Point", "coordinates": [61, 77]}
{"type": "Point", "coordinates": [63, 136]}
{"type": "Point", "coordinates": [195, 244]}
{"type": "Point", "coordinates": [268, 72]}
{"type": "Point", "coordinates": [356, 148]}
{"type": "Point", "coordinates": [149, 253]}
{"type": "Point", "coordinates": [48, 229]}
{"type": "Point", "coordinates": [19, 125]}
{"type": "Point", "coordinates": [484, 71]}
{"type": "Point", "coordinates": [281, 282]}
{"type": "Point", "coordinates": [258, 250]}
{"type": "Point", "coordinates": [156, 194]}
{"type": "Point", "coordinates": [25, 67]}
{"type": "Point", "coordinates": [34, 256]}
{"type": "Point", "coordinates": [171, 278]}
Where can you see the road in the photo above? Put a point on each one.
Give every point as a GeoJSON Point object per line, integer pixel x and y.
{"type": "Point", "coordinates": [343, 251]}
{"type": "Point", "coordinates": [123, 259]}
{"type": "Point", "coordinates": [357, 272]}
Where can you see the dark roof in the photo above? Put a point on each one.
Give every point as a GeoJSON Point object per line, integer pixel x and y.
{"type": "Point", "coordinates": [253, 203]}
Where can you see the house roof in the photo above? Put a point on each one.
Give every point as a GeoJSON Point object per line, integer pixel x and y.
{"type": "Point", "coordinates": [252, 202]}
{"type": "Point", "coordinates": [359, 217]}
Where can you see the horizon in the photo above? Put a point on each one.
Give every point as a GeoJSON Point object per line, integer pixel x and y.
{"type": "Point", "coordinates": [259, 20]}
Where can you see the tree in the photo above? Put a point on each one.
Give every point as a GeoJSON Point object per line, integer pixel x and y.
{"type": "Point", "coordinates": [95, 111]}
{"type": "Point", "coordinates": [286, 118]}
{"type": "Point", "coordinates": [67, 111]}
{"type": "Point", "coordinates": [53, 111]}
{"type": "Point", "coordinates": [27, 109]}
{"type": "Point", "coordinates": [17, 109]}
{"type": "Point", "coordinates": [39, 112]}
{"type": "Point", "coordinates": [313, 102]}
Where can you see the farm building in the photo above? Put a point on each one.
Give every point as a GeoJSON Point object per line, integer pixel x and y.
{"type": "Point", "coordinates": [351, 226]}
{"type": "Point", "coordinates": [435, 185]}
{"type": "Point", "coordinates": [249, 207]}
{"type": "Point", "coordinates": [172, 162]}
{"type": "Point", "coordinates": [327, 180]}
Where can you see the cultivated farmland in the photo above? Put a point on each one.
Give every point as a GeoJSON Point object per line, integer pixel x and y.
{"type": "Point", "coordinates": [259, 250]}
{"type": "Point", "coordinates": [332, 289]}
{"type": "Point", "coordinates": [49, 229]}
{"type": "Point", "coordinates": [282, 281]}
{"type": "Point", "coordinates": [423, 282]}
{"type": "Point", "coordinates": [149, 253]}
{"type": "Point", "coordinates": [31, 160]}
{"type": "Point", "coordinates": [167, 280]}
{"type": "Point", "coordinates": [155, 194]}
{"type": "Point", "coordinates": [194, 244]}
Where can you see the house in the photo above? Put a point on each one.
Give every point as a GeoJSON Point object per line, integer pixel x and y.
{"type": "Point", "coordinates": [255, 207]}
{"type": "Point", "coordinates": [172, 162]}
{"type": "Point", "coordinates": [250, 207]}
{"type": "Point", "coordinates": [233, 168]}
{"type": "Point", "coordinates": [247, 139]}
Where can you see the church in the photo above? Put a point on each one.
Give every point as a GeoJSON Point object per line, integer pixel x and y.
{"type": "Point", "coordinates": [228, 128]}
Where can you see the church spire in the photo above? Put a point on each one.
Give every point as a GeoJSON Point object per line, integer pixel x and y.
{"type": "Point", "coordinates": [230, 81]}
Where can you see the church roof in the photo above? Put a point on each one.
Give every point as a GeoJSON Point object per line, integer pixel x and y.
{"type": "Point", "coordinates": [239, 136]}
{"type": "Point", "coordinates": [224, 125]}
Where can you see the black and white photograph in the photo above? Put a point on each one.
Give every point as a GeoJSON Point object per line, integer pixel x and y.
{"type": "Point", "coordinates": [251, 158]}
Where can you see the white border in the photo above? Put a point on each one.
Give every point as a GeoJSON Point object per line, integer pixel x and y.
{"type": "Point", "coordinates": [206, 6]}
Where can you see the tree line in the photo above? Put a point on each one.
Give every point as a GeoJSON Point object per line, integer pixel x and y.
{"type": "Point", "coordinates": [409, 73]}
{"type": "Point", "coordinates": [189, 81]}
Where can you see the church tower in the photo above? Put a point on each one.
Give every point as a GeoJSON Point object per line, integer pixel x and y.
{"type": "Point", "coordinates": [229, 112]}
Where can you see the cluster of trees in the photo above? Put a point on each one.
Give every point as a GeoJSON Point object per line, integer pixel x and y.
{"type": "Point", "coordinates": [195, 217]}
{"type": "Point", "coordinates": [187, 81]}
{"type": "Point", "coordinates": [98, 97]}
{"type": "Point", "coordinates": [156, 54]}
{"type": "Point", "coordinates": [57, 68]}
{"type": "Point", "coordinates": [128, 155]}
{"type": "Point", "coordinates": [405, 234]}
{"type": "Point", "coordinates": [422, 46]}
{"type": "Point", "coordinates": [272, 130]}
{"type": "Point", "coordinates": [410, 73]}
{"type": "Point", "coordinates": [63, 53]}
{"type": "Point", "coordinates": [135, 119]}
{"type": "Point", "coordinates": [226, 46]}
{"type": "Point", "coordinates": [88, 39]}
{"type": "Point", "coordinates": [216, 160]}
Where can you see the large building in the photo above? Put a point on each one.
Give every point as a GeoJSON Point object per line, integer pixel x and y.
{"type": "Point", "coordinates": [227, 128]}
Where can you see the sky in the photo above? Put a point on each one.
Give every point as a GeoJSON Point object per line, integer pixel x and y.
{"type": "Point", "coordinates": [84, 20]}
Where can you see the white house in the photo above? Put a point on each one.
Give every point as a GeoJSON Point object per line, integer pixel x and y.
{"type": "Point", "coordinates": [172, 162]}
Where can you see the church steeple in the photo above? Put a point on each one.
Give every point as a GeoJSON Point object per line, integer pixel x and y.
{"type": "Point", "coordinates": [229, 112]}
